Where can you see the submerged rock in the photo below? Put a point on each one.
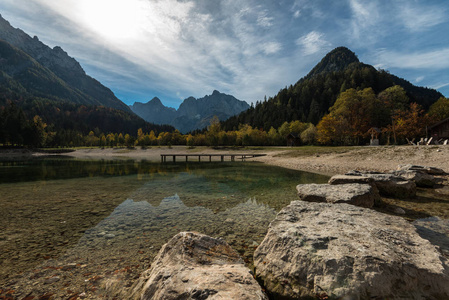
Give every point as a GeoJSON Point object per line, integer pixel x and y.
{"type": "Point", "coordinates": [341, 250]}
{"type": "Point", "coordinates": [354, 193]}
{"type": "Point", "coordinates": [389, 184]}
{"type": "Point", "coordinates": [196, 266]}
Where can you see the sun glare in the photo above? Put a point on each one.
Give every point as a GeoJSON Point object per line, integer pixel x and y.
{"type": "Point", "coordinates": [115, 19]}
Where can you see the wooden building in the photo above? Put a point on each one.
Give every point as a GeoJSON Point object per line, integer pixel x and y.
{"type": "Point", "coordinates": [293, 139]}
{"type": "Point", "coordinates": [439, 130]}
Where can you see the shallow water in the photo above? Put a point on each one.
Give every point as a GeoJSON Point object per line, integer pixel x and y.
{"type": "Point", "coordinates": [67, 226]}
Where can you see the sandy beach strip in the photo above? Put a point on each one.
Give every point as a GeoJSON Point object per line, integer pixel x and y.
{"type": "Point", "coordinates": [329, 162]}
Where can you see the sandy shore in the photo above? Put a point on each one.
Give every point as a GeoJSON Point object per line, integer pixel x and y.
{"type": "Point", "coordinates": [323, 160]}
{"type": "Point", "coordinates": [382, 158]}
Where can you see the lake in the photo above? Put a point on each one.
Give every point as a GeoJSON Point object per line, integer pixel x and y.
{"type": "Point", "coordinates": [66, 225]}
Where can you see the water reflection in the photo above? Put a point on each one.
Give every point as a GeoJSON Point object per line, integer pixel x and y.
{"type": "Point", "coordinates": [108, 219]}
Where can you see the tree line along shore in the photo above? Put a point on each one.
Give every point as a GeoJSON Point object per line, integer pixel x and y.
{"type": "Point", "coordinates": [348, 123]}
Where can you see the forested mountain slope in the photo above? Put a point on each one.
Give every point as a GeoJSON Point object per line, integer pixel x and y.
{"type": "Point", "coordinates": [311, 97]}
{"type": "Point", "coordinates": [82, 88]}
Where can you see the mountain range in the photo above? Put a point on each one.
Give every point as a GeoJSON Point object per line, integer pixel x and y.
{"type": "Point", "coordinates": [49, 83]}
{"type": "Point", "coordinates": [310, 98]}
{"type": "Point", "coordinates": [49, 72]}
{"type": "Point", "coordinates": [193, 113]}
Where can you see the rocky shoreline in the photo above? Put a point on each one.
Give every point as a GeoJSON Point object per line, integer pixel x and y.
{"type": "Point", "coordinates": [324, 246]}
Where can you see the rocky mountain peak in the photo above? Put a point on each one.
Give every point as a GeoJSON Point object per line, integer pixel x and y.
{"type": "Point", "coordinates": [155, 101]}
{"type": "Point", "coordinates": [336, 60]}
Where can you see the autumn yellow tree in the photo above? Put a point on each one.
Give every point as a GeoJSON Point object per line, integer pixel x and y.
{"type": "Point", "coordinates": [411, 123]}
{"type": "Point", "coordinates": [333, 130]}
{"type": "Point", "coordinates": [140, 137]}
{"type": "Point", "coordinates": [350, 118]}
{"type": "Point", "coordinates": [439, 110]}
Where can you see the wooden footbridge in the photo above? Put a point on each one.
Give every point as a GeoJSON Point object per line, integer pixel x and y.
{"type": "Point", "coordinates": [205, 156]}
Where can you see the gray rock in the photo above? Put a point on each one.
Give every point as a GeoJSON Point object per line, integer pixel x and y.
{"type": "Point", "coordinates": [399, 211]}
{"type": "Point", "coordinates": [421, 179]}
{"type": "Point", "coordinates": [424, 169]}
{"type": "Point", "coordinates": [342, 250]}
{"type": "Point", "coordinates": [51, 280]}
{"type": "Point", "coordinates": [389, 184]}
{"type": "Point", "coordinates": [196, 266]}
{"type": "Point", "coordinates": [352, 193]}
{"type": "Point", "coordinates": [109, 236]}
{"type": "Point", "coordinates": [345, 179]}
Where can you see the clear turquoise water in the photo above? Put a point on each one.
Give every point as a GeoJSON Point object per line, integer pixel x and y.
{"type": "Point", "coordinates": [87, 222]}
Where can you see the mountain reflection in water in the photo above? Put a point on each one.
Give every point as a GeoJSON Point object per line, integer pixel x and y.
{"type": "Point", "coordinates": [98, 220]}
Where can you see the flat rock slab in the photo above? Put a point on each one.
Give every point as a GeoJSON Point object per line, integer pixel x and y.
{"type": "Point", "coordinates": [389, 185]}
{"type": "Point", "coordinates": [421, 179]}
{"type": "Point", "coordinates": [196, 266]}
{"type": "Point", "coordinates": [353, 193]}
{"type": "Point", "coordinates": [345, 179]}
{"type": "Point", "coordinates": [341, 251]}
{"type": "Point", "coordinates": [424, 169]}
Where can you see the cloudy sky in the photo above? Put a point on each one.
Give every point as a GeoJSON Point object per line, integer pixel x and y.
{"type": "Point", "coordinates": [173, 49]}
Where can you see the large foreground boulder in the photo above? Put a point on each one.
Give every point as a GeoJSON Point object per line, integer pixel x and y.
{"type": "Point", "coordinates": [196, 266]}
{"type": "Point", "coordinates": [389, 185]}
{"type": "Point", "coordinates": [341, 250]}
{"type": "Point", "coordinates": [355, 193]}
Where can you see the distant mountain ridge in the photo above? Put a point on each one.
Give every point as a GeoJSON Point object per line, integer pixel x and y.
{"type": "Point", "coordinates": [193, 113]}
{"type": "Point", "coordinates": [310, 98]}
{"type": "Point", "coordinates": [155, 111]}
{"type": "Point", "coordinates": [74, 84]}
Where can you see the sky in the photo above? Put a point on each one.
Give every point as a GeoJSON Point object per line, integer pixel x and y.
{"type": "Point", "coordinates": [173, 49]}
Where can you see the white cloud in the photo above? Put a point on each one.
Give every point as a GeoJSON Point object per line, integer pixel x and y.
{"type": "Point", "coordinates": [312, 42]}
{"type": "Point", "coordinates": [264, 20]}
{"type": "Point", "coordinates": [434, 59]}
{"type": "Point", "coordinates": [440, 85]}
{"type": "Point", "coordinates": [419, 79]}
{"type": "Point", "coordinates": [417, 17]}
{"type": "Point", "coordinates": [272, 47]}
{"type": "Point", "coordinates": [366, 20]}
{"type": "Point", "coordinates": [306, 8]}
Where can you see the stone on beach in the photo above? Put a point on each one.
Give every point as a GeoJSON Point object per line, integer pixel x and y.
{"type": "Point", "coordinates": [353, 193]}
{"type": "Point", "coordinates": [424, 169]}
{"type": "Point", "coordinates": [389, 184]}
{"type": "Point", "coordinates": [345, 179]}
{"type": "Point", "coordinates": [342, 250]}
{"type": "Point", "coordinates": [421, 179]}
{"type": "Point", "coordinates": [196, 266]}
